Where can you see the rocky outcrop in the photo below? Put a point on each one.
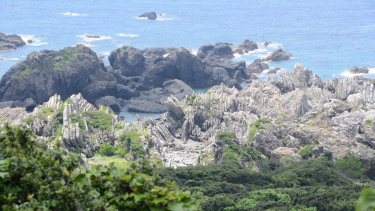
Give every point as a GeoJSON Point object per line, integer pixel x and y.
{"type": "Point", "coordinates": [149, 15]}
{"type": "Point", "coordinates": [109, 101]}
{"type": "Point", "coordinates": [273, 70]}
{"type": "Point", "coordinates": [257, 67]}
{"type": "Point", "coordinates": [145, 106]}
{"type": "Point", "coordinates": [69, 71]}
{"type": "Point", "coordinates": [278, 55]}
{"type": "Point", "coordinates": [219, 51]}
{"type": "Point", "coordinates": [281, 152]}
{"type": "Point", "coordinates": [356, 70]}
{"type": "Point", "coordinates": [249, 45]}
{"type": "Point", "coordinates": [10, 42]}
{"type": "Point", "coordinates": [177, 88]}
{"type": "Point", "coordinates": [127, 61]}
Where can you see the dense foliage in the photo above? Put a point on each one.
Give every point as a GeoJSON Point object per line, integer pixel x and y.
{"type": "Point", "coordinates": [307, 185]}
{"type": "Point", "coordinates": [35, 178]}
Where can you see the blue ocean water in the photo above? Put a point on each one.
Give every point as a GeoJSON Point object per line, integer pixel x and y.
{"type": "Point", "coordinates": [328, 37]}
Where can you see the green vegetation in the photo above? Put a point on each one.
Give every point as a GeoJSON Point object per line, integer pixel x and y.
{"type": "Point", "coordinates": [368, 122]}
{"type": "Point", "coordinates": [352, 166]}
{"type": "Point", "coordinates": [256, 126]}
{"type": "Point", "coordinates": [190, 99]}
{"type": "Point", "coordinates": [106, 149]}
{"type": "Point", "coordinates": [306, 152]}
{"type": "Point", "coordinates": [58, 119]}
{"type": "Point", "coordinates": [34, 178]}
{"type": "Point", "coordinates": [76, 118]}
{"type": "Point", "coordinates": [98, 119]}
{"type": "Point", "coordinates": [226, 137]}
{"type": "Point", "coordinates": [48, 111]}
{"type": "Point", "coordinates": [309, 185]}
{"type": "Point", "coordinates": [29, 120]}
{"type": "Point", "coordinates": [130, 146]}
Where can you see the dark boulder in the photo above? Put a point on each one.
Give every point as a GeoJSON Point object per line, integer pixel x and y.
{"type": "Point", "coordinates": [10, 42]}
{"type": "Point", "coordinates": [128, 61]}
{"type": "Point", "coordinates": [66, 72]}
{"type": "Point", "coordinates": [267, 44]}
{"type": "Point", "coordinates": [109, 101]}
{"type": "Point", "coordinates": [257, 67]}
{"type": "Point", "coordinates": [356, 70]}
{"type": "Point", "coordinates": [29, 41]}
{"type": "Point", "coordinates": [177, 88]}
{"type": "Point", "coordinates": [278, 55]}
{"type": "Point", "coordinates": [29, 104]}
{"type": "Point", "coordinates": [149, 15]}
{"type": "Point", "coordinates": [249, 45]}
{"type": "Point", "coordinates": [234, 83]}
{"type": "Point", "coordinates": [219, 51]}
{"type": "Point", "coordinates": [145, 106]}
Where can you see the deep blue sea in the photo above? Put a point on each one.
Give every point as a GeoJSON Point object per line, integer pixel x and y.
{"type": "Point", "coordinates": [328, 37]}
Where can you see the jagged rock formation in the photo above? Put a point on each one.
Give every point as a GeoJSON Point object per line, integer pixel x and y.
{"type": "Point", "coordinates": [295, 111]}
{"type": "Point", "coordinates": [272, 118]}
{"type": "Point", "coordinates": [10, 42]}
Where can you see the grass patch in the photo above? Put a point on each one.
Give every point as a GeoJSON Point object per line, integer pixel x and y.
{"type": "Point", "coordinates": [29, 120]}
{"type": "Point", "coordinates": [368, 122]}
{"type": "Point", "coordinates": [306, 152]}
{"type": "Point", "coordinates": [115, 160]}
{"type": "Point", "coordinates": [99, 119]}
{"type": "Point", "coordinates": [256, 126]}
{"type": "Point", "coordinates": [227, 137]}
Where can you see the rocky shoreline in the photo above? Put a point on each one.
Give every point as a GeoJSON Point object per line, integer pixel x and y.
{"type": "Point", "coordinates": [10, 42]}
{"type": "Point", "coordinates": [276, 117]}
{"type": "Point", "coordinates": [74, 70]}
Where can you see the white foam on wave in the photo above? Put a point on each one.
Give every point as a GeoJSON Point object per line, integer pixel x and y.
{"type": "Point", "coordinates": [105, 53]}
{"type": "Point", "coordinates": [128, 35]}
{"type": "Point", "coordinates": [36, 40]}
{"type": "Point", "coordinates": [160, 17]}
{"type": "Point", "coordinates": [165, 55]}
{"type": "Point", "coordinates": [141, 17]}
{"type": "Point", "coordinates": [91, 39]}
{"type": "Point", "coordinates": [8, 59]}
{"type": "Point", "coordinates": [74, 14]}
{"type": "Point", "coordinates": [194, 51]}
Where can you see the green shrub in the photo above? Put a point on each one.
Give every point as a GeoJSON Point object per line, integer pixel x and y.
{"type": "Point", "coordinates": [351, 165]}
{"type": "Point", "coordinates": [252, 152]}
{"type": "Point", "coordinates": [48, 111]}
{"type": "Point", "coordinates": [118, 127]}
{"type": "Point", "coordinates": [76, 118]}
{"type": "Point", "coordinates": [34, 178]}
{"type": "Point", "coordinates": [368, 122]}
{"type": "Point", "coordinates": [132, 143]}
{"type": "Point", "coordinates": [149, 143]}
{"type": "Point", "coordinates": [256, 126]}
{"type": "Point", "coordinates": [29, 120]}
{"type": "Point", "coordinates": [106, 149]}
{"type": "Point", "coordinates": [226, 137]}
{"type": "Point", "coordinates": [306, 152]}
{"type": "Point", "coordinates": [98, 119]}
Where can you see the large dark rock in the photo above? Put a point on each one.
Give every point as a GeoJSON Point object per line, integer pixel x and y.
{"type": "Point", "coordinates": [356, 70]}
{"type": "Point", "coordinates": [10, 42]}
{"type": "Point", "coordinates": [278, 55]}
{"type": "Point", "coordinates": [219, 51]}
{"type": "Point", "coordinates": [66, 72]}
{"type": "Point", "coordinates": [128, 61]}
{"type": "Point", "coordinates": [179, 64]}
{"type": "Point", "coordinates": [177, 88]}
{"type": "Point", "coordinates": [257, 67]}
{"type": "Point", "coordinates": [109, 101]}
{"type": "Point", "coordinates": [29, 104]}
{"type": "Point", "coordinates": [145, 106]}
{"type": "Point", "coordinates": [149, 15]}
{"type": "Point", "coordinates": [249, 45]}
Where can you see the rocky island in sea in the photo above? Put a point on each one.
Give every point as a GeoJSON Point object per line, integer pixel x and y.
{"type": "Point", "coordinates": [70, 99]}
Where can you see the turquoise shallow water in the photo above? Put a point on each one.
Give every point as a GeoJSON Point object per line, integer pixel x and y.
{"type": "Point", "coordinates": [328, 37]}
